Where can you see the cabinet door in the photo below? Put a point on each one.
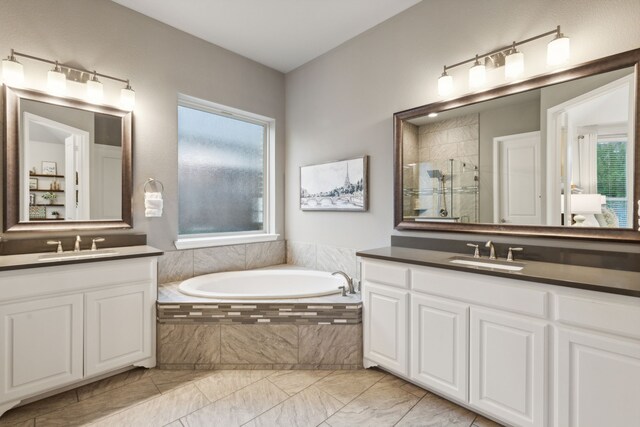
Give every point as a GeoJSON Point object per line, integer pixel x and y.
{"type": "Point", "coordinates": [41, 345]}
{"type": "Point", "coordinates": [439, 350]}
{"type": "Point", "coordinates": [118, 328]}
{"type": "Point", "coordinates": [508, 366]}
{"type": "Point", "coordinates": [597, 380]}
{"type": "Point", "coordinates": [385, 326]}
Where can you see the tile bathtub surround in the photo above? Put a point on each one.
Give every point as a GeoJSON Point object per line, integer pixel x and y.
{"type": "Point", "coordinates": [180, 265]}
{"type": "Point", "coordinates": [323, 257]}
{"type": "Point", "coordinates": [228, 346]}
{"type": "Point", "coordinates": [250, 398]}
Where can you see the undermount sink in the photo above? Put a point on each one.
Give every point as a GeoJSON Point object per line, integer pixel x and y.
{"type": "Point", "coordinates": [487, 263]}
{"type": "Point", "coordinates": [77, 255]}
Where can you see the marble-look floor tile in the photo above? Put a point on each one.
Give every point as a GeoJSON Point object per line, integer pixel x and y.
{"type": "Point", "coordinates": [347, 385]}
{"type": "Point", "coordinates": [159, 411]}
{"type": "Point", "coordinates": [330, 344]}
{"type": "Point", "coordinates": [169, 379]}
{"type": "Point", "coordinates": [219, 259]}
{"type": "Point", "coordinates": [175, 265]}
{"type": "Point", "coordinates": [259, 344]}
{"type": "Point", "coordinates": [434, 411]}
{"type": "Point", "coordinates": [239, 407]}
{"type": "Point", "coordinates": [100, 406]}
{"type": "Point", "coordinates": [481, 421]}
{"type": "Point", "coordinates": [40, 407]}
{"type": "Point", "coordinates": [302, 254]}
{"type": "Point", "coordinates": [265, 254]}
{"type": "Point", "coordinates": [306, 409]}
{"type": "Point", "coordinates": [176, 423]}
{"type": "Point", "coordinates": [110, 383]}
{"type": "Point", "coordinates": [292, 382]}
{"type": "Point", "coordinates": [27, 423]}
{"type": "Point", "coordinates": [222, 383]}
{"type": "Point", "coordinates": [384, 404]}
{"type": "Point", "coordinates": [182, 343]}
{"type": "Point", "coordinates": [414, 389]}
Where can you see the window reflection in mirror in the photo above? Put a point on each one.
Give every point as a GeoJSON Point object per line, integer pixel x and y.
{"type": "Point", "coordinates": [70, 164]}
{"type": "Point", "coordinates": [560, 155]}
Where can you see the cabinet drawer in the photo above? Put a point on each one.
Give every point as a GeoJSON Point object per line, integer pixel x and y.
{"type": "Point", "coordinates": [386, 274]}
{"type": "Point", "coordinates": [505, 294]}
{"type": "Point", "coordinates": [600, 315]}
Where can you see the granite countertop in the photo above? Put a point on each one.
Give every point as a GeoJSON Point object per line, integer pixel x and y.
{"type": "Point", "coordinates": [574, 276]}
{"type": "Point", "coordinates": [24, 261]}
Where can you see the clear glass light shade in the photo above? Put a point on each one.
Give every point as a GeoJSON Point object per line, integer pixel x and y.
{"type": "Point", "coordinates": [95, 91]}
{"type": "Point", "coordinates": [127, 99]}
{"type": "Point", "coordinates": [477, 76]}
{"type": "Point", "coordinates": [56, 82]}
{"type": "Point", "coordinates": [445, 85]}
{"type": "Point", "coordinates": [558, 51]}
{"type": "Point", "coordinates": [514, 65]}
{"type": "Point", "coordinates": [12, 73]}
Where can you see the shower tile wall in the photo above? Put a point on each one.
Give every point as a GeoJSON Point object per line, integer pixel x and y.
{"type": "Point", "coordinates": [410, 150]}
{"type": "Point", "coordinates": [180, 265]}
{"type": "Point", "coordinates": [458, 139]}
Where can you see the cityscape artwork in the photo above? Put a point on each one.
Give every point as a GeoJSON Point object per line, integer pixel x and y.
{"type": "Point", "coordinates": [334, 186]}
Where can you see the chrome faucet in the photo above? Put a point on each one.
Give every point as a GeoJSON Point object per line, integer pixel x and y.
{"type": "Point", "coordinates": [76, 247]}
{"type": "Point", "coordinates": [492, 251]}
{"type": "Point", "coordinates": [347, 278]}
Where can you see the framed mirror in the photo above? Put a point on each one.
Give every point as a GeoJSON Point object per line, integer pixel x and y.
{"type": "Point", "coordinates": [555, 155]}
{"type": "Point", "coordinates": [67, 164]}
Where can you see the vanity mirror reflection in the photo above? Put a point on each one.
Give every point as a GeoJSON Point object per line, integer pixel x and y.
{"type": "Point", "coordinates": [554, 155]}
{"type": "Point", "coordinates": [67, 163]}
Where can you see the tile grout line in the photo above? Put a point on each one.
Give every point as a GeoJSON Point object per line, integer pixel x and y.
{"type": "Point", "coordinates": [364, 391]}
{"type": "Point", "coordinates": [410, 409]}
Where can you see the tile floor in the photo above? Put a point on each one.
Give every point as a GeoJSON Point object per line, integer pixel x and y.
{"type": "Point", "coordinates": [255, 398]}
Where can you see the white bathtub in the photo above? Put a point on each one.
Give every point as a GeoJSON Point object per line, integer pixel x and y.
{"type": "Point", "coordinates": [263, 284]}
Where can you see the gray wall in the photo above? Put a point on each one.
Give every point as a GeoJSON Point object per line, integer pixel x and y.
{"type": "Point", "coordinates": [161, 62]}
{"type": "Point", "coordinates": [341, 104]}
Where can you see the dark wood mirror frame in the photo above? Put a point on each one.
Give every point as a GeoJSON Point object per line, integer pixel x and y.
{"type": "Point", "coordinates": [11, 144]}
{"type": "Point", "coordinates": [611, 63]}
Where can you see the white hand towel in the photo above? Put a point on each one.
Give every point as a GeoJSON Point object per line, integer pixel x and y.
{"type": "Point", "coordinates": [153, 204]}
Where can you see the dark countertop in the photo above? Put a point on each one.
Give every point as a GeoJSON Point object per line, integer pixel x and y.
{"type": "Point", "coordinates": [574, 276]}
{"type": "Point", "coordinates": [24, 261]}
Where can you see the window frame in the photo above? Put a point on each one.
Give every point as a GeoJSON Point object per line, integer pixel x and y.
{"type": "Point", "coordinates": [190, 241]}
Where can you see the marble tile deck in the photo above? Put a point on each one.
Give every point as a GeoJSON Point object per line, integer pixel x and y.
{"type": "Point", "coordinates": [188, 398]}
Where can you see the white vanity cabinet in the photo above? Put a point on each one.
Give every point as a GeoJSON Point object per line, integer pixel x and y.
{"type": "Point", "coordinates": [61, 325]}
{"type": "Point", "coordinates": [524, 353]}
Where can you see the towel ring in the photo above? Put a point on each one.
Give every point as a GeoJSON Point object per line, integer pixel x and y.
{"type": "Point", "coordinates": [151, 181]}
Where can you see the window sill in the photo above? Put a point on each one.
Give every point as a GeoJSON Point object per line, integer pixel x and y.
{"type": "Point", "coordinates": [206, 242]}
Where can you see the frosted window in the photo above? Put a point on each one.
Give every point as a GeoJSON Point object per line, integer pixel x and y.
{"type": "Point", "coordinates": [220, 173]}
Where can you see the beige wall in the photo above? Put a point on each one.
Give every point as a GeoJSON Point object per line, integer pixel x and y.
{"type": "Point", "coordinates": [341, 104]}
{"type": "Point", "coordinates": [161, 62]}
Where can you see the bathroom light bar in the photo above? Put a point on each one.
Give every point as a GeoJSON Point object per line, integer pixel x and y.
{"type": "Point", "coordinates": [558, 51]}
{"type": "Point", "coordinates": [13, 75]}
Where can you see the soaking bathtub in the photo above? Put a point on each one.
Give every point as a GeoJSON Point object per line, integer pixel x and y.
{"type": "Point", "coordinates": [279, 283]}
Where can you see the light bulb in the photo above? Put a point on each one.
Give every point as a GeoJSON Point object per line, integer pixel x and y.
{"type": "Point", "coordinates": [514, 64]}
{"type": "Point", "coordinates": [12, 71]}
{"type": "Point", "coordinates": [127, 98]}
{"type": "Point", "coordinates": [445, 84]}
{"type": "Point", "coordinates": [477, 74]}
{"type": "Point", "coordinates": [95, 91]}
{"type": "Point", "coordinates": [56, 81]}
{"type": "Point", "coordinates": [558, 50]}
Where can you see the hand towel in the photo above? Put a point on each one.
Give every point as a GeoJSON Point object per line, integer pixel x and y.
{"type": "Point", "coordinates": [153, 204]}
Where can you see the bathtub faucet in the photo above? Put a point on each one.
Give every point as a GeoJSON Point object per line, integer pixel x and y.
{"type": "Point", "coordinates": [347, 278]}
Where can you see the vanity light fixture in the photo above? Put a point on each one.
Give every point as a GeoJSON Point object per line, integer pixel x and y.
{"type": "Point", "coordinates": [558, 51]}
{"type": "Point", "coordinates": [56, 80]}
{"type": "Point", "coordinates": [12, 71]}
{"type": "Point", "coordinates": [13, 75]}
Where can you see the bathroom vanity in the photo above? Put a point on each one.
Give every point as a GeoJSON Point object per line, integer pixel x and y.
{"type": "Point", "coordinates": [70, 321]}
{"type": "Point", "coordinates": [521, 351]}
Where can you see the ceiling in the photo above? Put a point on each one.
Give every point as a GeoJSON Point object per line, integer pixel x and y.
{"type": "Point", "coordinates": [281, 34]}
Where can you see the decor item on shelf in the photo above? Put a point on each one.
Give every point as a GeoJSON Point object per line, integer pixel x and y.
{"type": "Point", "coordinates": [335, 186]}
{"type": "Point", "coordinates": [13, 75]}
{"type": "Point", "coordinates": [33, 183]}
{"type": "Point", "coordinates": [51, 197]}
{"type": "Point", "coordinates": [37, 212]}
{"type": "Point", "coordinates": [584, 207]}
{"type": "Point", "coordinates": [55, 214]}
{"type": "Point", "coordinates": [32, 199]}
{"type": "Point", "coordinates": [558, 51]}
{"type": "Point", "coordinates": [153, 203]}
{"type": "Point", "coordinates": [49, 168]}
